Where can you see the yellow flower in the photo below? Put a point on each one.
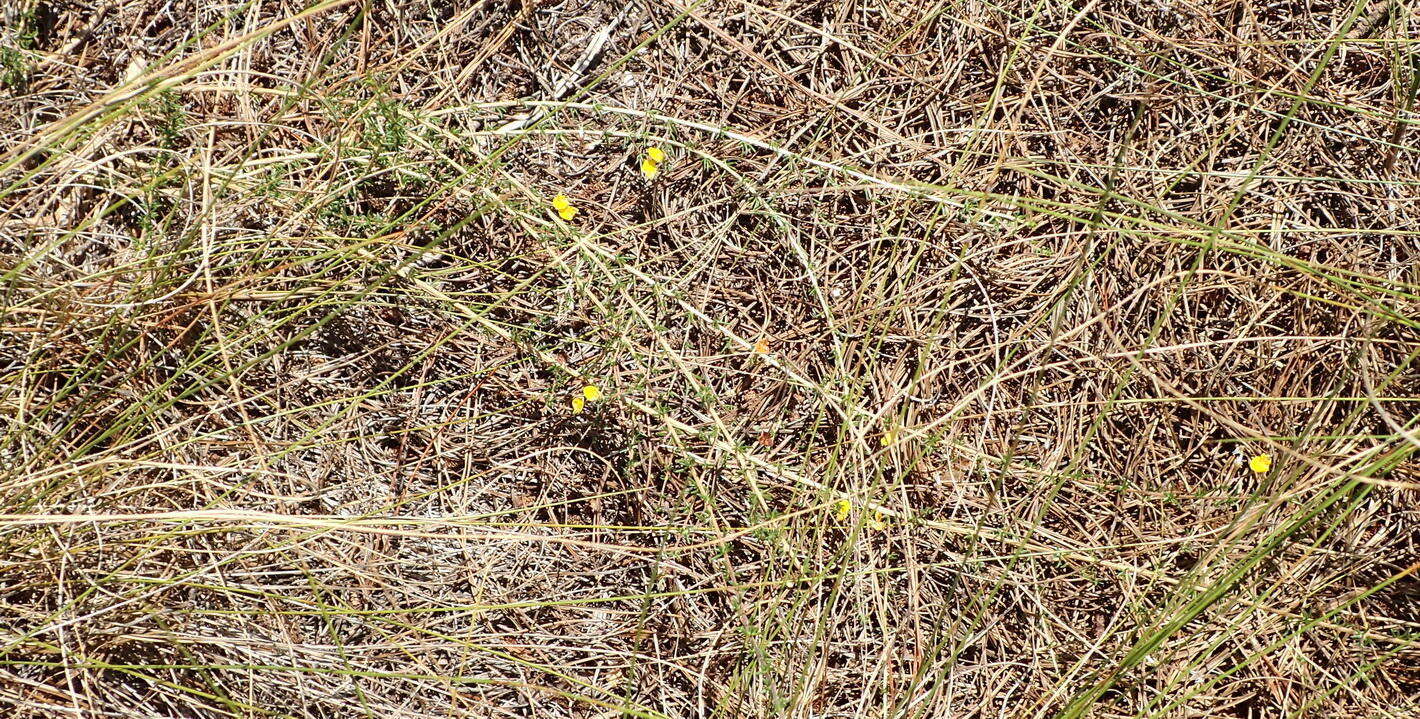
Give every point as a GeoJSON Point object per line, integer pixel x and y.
{"type": "Point", "coordinates": [592, 392]}
{"type": "Point", "coordinates": [649, 170]}
{"type": "Point", "coordinates": [578, 404]}
{"type": "Point", "coordinates": [762, 346]}
{"type": "Point", "coordinates": [564, 207]}
{"type": "Point", "coordinates": [654, 154]}
{"type": "Point", "coordinates": [1260, 463]}
{"type": "Point", "coordinates": [889, 437]}
{"type": "Point", "coordinates": [841, 508]}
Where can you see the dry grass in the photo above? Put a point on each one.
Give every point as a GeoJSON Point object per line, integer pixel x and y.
{"type": "Point", "coordinates": [290, 333]}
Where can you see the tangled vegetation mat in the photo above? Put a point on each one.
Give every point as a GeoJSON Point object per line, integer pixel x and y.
{"type": "Point", "coordinates": [709, 358]}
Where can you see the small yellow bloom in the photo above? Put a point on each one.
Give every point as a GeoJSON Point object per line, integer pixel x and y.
{"type": "Point", "coordinates": [889, 437]}
{"type": "Point", "coordinates": [564, 207]}
{"type": "Point", "coordinates": [649, 170]}
{"type": "Point", "coordinates": [841, 508]}
{"type": "Point", "coordinates": [1260, 463]}
{"type": "Point", "coordinates": [762, 346]}
{"type": "Point", "coordinates": [578, 404]}
{"type": "Point", "coordinates": [592, 392]}
{"type": "Point", "coordinates": [654, 154]}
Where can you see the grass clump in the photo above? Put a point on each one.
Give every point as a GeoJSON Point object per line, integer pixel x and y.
{"type": "Point", "coordinates": [730, 360]}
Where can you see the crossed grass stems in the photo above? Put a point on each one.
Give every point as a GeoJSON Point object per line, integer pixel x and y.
{"type": "Point", "coordinates": [628, 298]}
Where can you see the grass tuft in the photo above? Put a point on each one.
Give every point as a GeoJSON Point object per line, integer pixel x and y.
{"type": "Point", "coordinates": [719, 359]}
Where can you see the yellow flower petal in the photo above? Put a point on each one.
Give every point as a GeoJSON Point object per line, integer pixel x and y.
{"type": "Point", "coordinates": [578, 404]}
{"type": "Point", "coordinates": [655, 154]}
{"type": "Point", "coordinates": [888, 438]}
{"type": "Point", "coordinates": [592, 392]}
{"type": "Point", "coordinates": [841, 508]}
{"type": "Point", "coordinates": [565, 209]}
{"type": "Point", "coordinates": [762, 346]}
{"type": "Point", "coordinates": [649, 169]}
{"type": "Point", "coordinates": [1260, 463]}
